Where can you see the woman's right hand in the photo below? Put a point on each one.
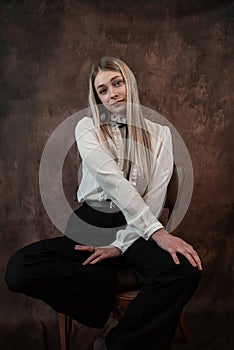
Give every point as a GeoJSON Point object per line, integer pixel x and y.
{"type": "Point", "coordinates": [98, 253]}
{"type": "Point", "coordinates": [174, 244]}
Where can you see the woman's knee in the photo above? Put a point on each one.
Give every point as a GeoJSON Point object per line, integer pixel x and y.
{"type": "Point", "coordinates": [189, 274]}
{"type": "Point", "coordinates": [183, 274]}
{"type": "Point", "coordinates": [16, 275]}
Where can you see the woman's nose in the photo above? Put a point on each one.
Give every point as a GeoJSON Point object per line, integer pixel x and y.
{"type": "Point", "coordinates": [113, 93]}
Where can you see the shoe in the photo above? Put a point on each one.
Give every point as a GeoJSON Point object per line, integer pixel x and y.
{"type": "Point", "coordinates": [100, 344]}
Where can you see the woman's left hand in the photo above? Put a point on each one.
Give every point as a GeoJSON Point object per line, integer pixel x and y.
{"type": "Point", "coordinates": [174, 245]}
{"type": "Point", "coordinates": [99, 253]}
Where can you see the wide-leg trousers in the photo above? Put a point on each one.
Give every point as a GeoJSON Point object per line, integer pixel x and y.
{"type": "Point", "coordinates": [51, 270]}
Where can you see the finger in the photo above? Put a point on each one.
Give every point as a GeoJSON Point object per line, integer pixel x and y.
{"type": "Point", "coordinates": [98, 259]}
{"type": "Point", "coordinates": [84, 247]}
{"type": "Point", "coordinates": [175, 258]}
{"type": "Point", "coordinates": [90, 258]}
{"type": "Point", "coordinates": [189, 257]}
{"type": "Point", "coordinates": [197, 259]}
{"type": "Point", "coordinates": [192, 257]}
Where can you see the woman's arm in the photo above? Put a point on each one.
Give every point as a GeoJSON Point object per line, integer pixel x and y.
{"type": "Point", "coordinates": [157, 188]}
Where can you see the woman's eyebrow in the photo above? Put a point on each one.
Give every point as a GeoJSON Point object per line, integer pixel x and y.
{"type": "Point", "coordinates": [116, 76]}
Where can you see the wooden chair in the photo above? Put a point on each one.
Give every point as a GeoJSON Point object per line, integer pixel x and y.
{"type": "Point", "coordinates": [122, 300]}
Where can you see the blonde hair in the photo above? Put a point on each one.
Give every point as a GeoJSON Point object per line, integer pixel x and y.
{"type": "Point", "coordinates": [139, 149]}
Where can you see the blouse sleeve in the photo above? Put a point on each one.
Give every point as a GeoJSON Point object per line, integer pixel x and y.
{"type": "Point", "coordinates": [100, 162]}
{"type": "Point", "coordinates": [156, 194]}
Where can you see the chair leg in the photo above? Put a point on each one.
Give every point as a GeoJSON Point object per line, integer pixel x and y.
{"type": "Point", "coordinates": [65, 324]}
{"type": "Point", "coordinates": [184, 329]}
{"type": "Point", "coordinates": [116, 313]}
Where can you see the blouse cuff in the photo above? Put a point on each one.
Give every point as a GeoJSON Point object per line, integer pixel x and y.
{"type": "Point", "coordinates": [123, 246]}
{"type": "Point", "coordinates": [150, 230]}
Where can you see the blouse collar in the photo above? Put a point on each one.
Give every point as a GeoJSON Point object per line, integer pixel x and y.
{"type": "Point", "coordinates": [118, 119]}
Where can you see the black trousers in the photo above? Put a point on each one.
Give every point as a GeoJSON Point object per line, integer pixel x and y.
{"type": "Point", "coordinates": [51, 270]}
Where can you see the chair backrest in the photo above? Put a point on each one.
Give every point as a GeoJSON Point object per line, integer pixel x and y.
{"type": "Point", "coordinates": [172, 190]}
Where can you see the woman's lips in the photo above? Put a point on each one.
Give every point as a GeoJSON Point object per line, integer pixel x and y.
{"type": "Point", "coordinates": [117, 102]}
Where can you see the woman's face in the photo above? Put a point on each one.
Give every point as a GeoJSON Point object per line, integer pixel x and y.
{"type": "Point", "coordinates": [111, 90]}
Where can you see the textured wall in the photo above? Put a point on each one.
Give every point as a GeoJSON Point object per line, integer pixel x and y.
{"type": "Point", "coordinates": [182, 55]}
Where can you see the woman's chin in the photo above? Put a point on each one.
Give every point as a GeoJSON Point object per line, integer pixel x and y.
{"type": "Point", "coordinates": [119, 110]}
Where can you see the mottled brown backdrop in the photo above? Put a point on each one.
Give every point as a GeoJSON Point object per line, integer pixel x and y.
{"type": "Point", "coordinates": [182, 55]}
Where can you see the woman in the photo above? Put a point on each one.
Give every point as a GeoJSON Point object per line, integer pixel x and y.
{"type": "Point", "coordinates": [127, 163]}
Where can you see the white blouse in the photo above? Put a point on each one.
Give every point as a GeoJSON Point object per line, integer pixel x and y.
{"type": "Point", "coordinates": [102, 178]}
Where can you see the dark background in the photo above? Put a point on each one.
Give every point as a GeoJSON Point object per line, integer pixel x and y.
{"type": "Point", "coordinates": [182, 55]}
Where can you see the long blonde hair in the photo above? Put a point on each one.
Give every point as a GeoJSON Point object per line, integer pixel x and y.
{"type": "Point", "coordinates": [140, 149]}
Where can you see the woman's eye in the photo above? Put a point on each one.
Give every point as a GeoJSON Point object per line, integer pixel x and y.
{"type": "Point", "coordinates": [118, 82]}
{"type": "Point", "coordinates": [103, 91]}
